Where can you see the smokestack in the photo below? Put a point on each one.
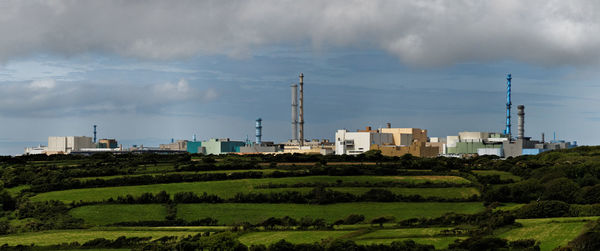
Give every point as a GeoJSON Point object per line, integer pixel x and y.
{"type": "Point", "coordinates": [258, 131]}
{"type": "Point", "coordinates": [301, 108]}
{"type": "Point", "coordinates": [521, 114]}
{"type": "Point", "coordinates": [543, 138]}
{"type": "Point", "coordinates": [508, 104]}
{"type": "Point", "coordinates": [94, 133]}
{"type": "Point", "coordinates": [294, 112]}
{"type": "Point", "coordinates": [389, 125]}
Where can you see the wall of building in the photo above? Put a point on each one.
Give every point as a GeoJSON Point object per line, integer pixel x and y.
{"type": "Point", "coordinates": [470, 147]}
{"type": "Point", "coordinates": [254, 148]}
{"type": "Point", "coordinates": [65, 145]}
{"type": "Point", "coordinates": [359, 142]}
{"type": "Point", "coordinates": [401, 137]}
{"type": "Point", "coordinates": [194, 147]}
{"type": "Point", "coordinates": [179, 145]}
{"type": "Point", "coordinates": [419, 149]}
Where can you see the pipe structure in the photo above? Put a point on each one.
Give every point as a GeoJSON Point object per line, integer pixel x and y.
{"type": "Point", "coordinates": [294, 112]}
{"type": "Point", "coordinates": [521, 114]}
{"type": "Point", "coordinates": [301, 108]}
{"type": "Point", "coordinates": [94, 133]}
{"type": "Point", "coordinates": [508, 104]}
{"type": "Point", "coordinates": [258, 131]}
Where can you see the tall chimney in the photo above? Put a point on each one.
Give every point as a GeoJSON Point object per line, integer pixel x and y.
{"type": "Point", "coordinates": [301, 115]}
{"type": "Point", "coordinates": [258, 131]}
{"type": "Point", "coordinates": [543, 138]}
{"type": "Point", "coordinates": [521, 121]}
{"type": "Point", "coordinates": [294, 112]}
{"type": "Point", "coordinates": [94, 133]}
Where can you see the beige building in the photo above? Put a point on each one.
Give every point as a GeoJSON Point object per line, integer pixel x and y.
{"type": "Point", "coordinates": [179, 145]}
{"type": "Point", "coordinates": [405, 136]}
{"type": "Point", "coordinates": [417, 148]}
{"type": "Point", "coordinates": [68, 144]}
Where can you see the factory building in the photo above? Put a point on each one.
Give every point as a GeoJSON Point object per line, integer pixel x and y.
{"type": "Point", "coordinates": [107, 143]}
{"type": "Point", "coordinates": [525, 146]}
{"type": "Point", "coordinates": [215, 146]}
{"type": "Point", "coordinates": [470, 143]}
{"type": "Point", "coordinates": [68, 144]}
{"type": "Point", "coordinates": [179, 145]}
{"type": "Point", "coordinates": [262, 148]}
{"type": "Point", "coordinates": [194, 147]}
{"type": "Point", "coordinates": [352, 143]}
{"type": "Point", "coordinates": [315, 146]}
{"type": "Point", "coordinates": [36, 150]}
{"type": "Point", "coordinates": [405, 136]}
{"type": "Point", "coordinates": [417, 148]}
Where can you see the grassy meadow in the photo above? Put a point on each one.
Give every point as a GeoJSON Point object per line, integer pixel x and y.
{"type": "Point", "coordinates": [225, 188]}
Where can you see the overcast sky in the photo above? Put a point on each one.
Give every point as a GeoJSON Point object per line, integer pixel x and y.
{"type": "Point", "coordinates": [149, 71]}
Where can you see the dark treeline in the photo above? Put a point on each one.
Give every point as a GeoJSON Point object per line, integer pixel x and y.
{"type": "Point", "coordinates": [318, 195]}
{"type": "Point", "coordinates": [486, 221]}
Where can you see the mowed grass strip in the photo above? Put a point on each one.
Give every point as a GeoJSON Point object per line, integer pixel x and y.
{"type": "Point", "coordinates": [230, 213]}
{"type": "Point", "coordinates": [225, 188]}
{"type": "Point", "coordinates": [269, 237]}
{"type": "Point", "coordinates": [402, 233]}
{"type": "Point", "coordinates": [551, 232]}
{"type": "Point", "coordinates": [54, 237]}
{"type": "Point", "coordinates": [109, 214]}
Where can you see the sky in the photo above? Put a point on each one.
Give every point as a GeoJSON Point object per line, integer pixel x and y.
{"type": "Point", "coordinates": [147, 72]}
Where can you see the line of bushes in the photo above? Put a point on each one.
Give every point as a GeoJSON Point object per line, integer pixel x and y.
{"type": "Point", "coordinates": [318, 195]}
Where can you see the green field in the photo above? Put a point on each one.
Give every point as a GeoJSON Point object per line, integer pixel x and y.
{"type": "Point", "coordinates": [503, 175]}
{"type": "Point", "coordinates": [551, 232]}
{"type": "Point", "coordinates": [270, 237]}
{"type": "Point", "coordinates": [226, 188]}
{"type": "Point", "coordinates": [384, 236]}
{"type": "Point", "coordinates": [228, 213]}
{"type": "Point", "coordinates": [109, 214]}
{"type": "Point", "coordinates": [45, 238]}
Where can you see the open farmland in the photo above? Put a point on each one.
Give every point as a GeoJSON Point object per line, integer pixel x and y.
{"type": "Point", "coordinates": [551, 232]}
{"type": "Point", "coordinates": [227, 188]}
{"type": "Point", "coordinates": [312, 204]}
{"type": "Point", "coordinates": [228, 213]}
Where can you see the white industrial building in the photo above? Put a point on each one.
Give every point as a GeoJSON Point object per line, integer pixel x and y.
{"type": "Point", "coordinates": [352, 143]}
{"type": "Point", "coordinates": [36, 150]}
{"type": "Point", "coordinates": [67, 144]}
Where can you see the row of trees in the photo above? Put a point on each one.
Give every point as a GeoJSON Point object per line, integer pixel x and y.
{"type": "Point", "coordinates": [318, 195]}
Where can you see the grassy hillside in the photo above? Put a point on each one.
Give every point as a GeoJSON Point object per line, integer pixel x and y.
{"type": "Point", "coordinates": [551, 232]}
{"type": "Point", "coordinates": [226, 188]}
{"type": "Point", "coordinates": [228, 213]}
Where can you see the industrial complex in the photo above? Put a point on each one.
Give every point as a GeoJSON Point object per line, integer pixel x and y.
{"type": "Point", "coordinates": [389, 141]}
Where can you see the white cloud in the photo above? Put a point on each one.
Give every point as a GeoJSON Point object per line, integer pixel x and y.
{"type": "Point", "coordinates": [42, 84]}
{"type": "Point", "coordinates": [543, 32]}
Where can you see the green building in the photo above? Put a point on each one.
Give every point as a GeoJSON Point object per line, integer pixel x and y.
{"type": "Point", "coordinates": [194, 147]}
{"type": "Point", "coordinates": [215, 146]}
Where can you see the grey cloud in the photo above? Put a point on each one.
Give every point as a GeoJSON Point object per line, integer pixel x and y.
{"type": "Point", "coordinates": [422, 33]}
{"type": "Point", "coordinates": [48, 98]}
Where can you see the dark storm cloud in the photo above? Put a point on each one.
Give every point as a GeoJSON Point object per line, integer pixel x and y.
{"type": "Point", "coordinates": [418, 32]}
